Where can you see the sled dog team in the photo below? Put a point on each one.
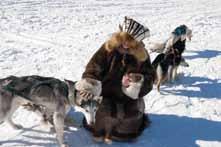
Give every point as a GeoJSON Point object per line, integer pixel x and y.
{"type": "Point", "coordinates": [110, 93]}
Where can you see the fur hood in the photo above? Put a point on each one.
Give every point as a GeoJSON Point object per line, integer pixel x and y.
{"type": "Point", "coordinates": [136, 48]}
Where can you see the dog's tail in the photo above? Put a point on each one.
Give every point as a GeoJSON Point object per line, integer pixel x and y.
{"type": "Point", "coordinates": [156, 47]}
{"type": "Point", "coordinates": [157, 60]}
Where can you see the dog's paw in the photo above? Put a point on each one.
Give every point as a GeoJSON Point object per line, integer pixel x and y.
{"type": "Point", "coordinates": [107, 141]}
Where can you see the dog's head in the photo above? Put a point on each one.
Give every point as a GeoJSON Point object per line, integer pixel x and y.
{"type": "Point", "coordinates": [89, 108]}
{"type": "Point", "coordinates": [183, 31]}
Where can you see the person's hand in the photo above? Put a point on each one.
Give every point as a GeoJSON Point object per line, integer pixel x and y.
{"type": "Point", "coordinates": [131, 78]}
{"type": "Point", "coordinates": [86, 95]}
{"type": "Point", "coordinates": [88, 87]}
{"type": "Point", "coordinates": [126, 80]}
{"type": "Point", "coordinates": [131, 84]}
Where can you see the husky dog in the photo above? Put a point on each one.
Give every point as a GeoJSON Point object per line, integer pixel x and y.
{"type": "Point", "coordinates": [170, 57]}
{"type": "Point", "coordinates": [54, 95]}
{"type": "Point", "coordinates": [166, 67]}
{"type": "Point", "coordinates": [179, 34]}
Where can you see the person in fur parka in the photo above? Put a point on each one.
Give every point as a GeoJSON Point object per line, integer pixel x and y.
{"type": "Point", "coordinates": [123, 73]}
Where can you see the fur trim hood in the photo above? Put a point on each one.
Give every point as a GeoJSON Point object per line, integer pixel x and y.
{"type": "Point", "coordinates": [136, 48]}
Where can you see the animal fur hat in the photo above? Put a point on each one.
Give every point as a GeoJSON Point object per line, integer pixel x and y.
{"type": "Point", "coordinates": [132, 32]}
{"type": "Point", "coordinates": [135, 48]}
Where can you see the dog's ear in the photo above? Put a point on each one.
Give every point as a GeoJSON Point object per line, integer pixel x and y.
{"type": "Point", "coordinates": [99, 99]}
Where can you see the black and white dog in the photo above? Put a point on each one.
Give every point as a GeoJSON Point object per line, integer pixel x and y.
{"type": "Point", "coordinates": [166, 67]}
{"type": "Point", "coordinates": [54, 95]}
{"type": "Point", "coordinates": [166, 63]}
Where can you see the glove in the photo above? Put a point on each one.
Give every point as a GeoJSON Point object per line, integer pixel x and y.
{"type": "Point", "coordinates": [131, 84]}
{"type": "Point", "coordinates": [131, 78]}
{"type": "Point", "coordinates": [88, 88]}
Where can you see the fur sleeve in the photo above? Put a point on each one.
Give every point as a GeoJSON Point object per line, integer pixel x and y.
{"type": "Point", "coordinates": [149, 77]}
{"type": "Point", "coordinates": [96, 65]}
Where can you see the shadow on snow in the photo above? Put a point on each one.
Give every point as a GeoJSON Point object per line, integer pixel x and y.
{"type": "Point", "coordinates": [194, 86]}
{"type": "Point", "coordinates": [176, 131]}
{"type": "Point", "coordinates": [207, 53]}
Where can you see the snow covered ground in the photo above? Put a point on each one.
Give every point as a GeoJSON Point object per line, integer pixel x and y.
{"type": "Point", "coordinates": [57, 38]}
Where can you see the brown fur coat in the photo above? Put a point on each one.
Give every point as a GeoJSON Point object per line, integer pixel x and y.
{"type": "Point", "coordinates": [109, 65]}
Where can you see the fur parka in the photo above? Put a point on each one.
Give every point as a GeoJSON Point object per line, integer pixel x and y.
{"type": "Point", "coordinates": [109, 65]}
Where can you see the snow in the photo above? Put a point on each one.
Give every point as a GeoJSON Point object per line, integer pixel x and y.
{"type": "Point", "coordinates": [57, 38]}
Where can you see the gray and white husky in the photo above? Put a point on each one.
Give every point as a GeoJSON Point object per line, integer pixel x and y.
{"type": "Point", "coordinates": [54, 95]}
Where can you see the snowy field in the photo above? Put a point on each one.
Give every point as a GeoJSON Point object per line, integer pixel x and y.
{"type": "Point", "coordinates": [57, 38]}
